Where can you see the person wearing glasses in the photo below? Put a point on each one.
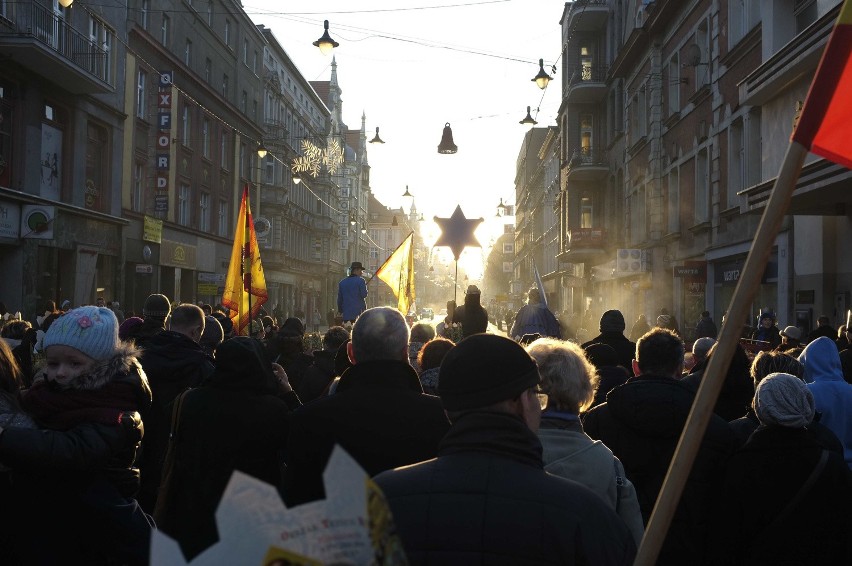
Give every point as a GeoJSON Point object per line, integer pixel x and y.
{"type": "Point", "coordinates": [486, 498]}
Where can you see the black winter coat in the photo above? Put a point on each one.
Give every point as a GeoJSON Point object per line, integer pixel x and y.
{"type": "Point", "coordinates": [378, 414]}
{"type": "Point", "coordinates": [625, 349]}
{"type": "Point", "coordinates": [73, 486]}
{"type": "Point", "coordinates": [486, 499]}
{"type": "Point", "coordinates": [745, 426]}
{"type": "Point", "coordinates": [641, 423]}
{"type": "Point", "coordinates": [173, 363]}
{"type": "Point", "coordinates": [761, 479]}
{"type": "Point", "coordinates": [472, 316]}
{"type": "Point", "coordinates": [317, 376]}
{"type": "Point", "coordinates": [236, 421]}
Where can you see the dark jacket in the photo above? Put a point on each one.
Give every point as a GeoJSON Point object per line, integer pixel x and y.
{"type": "Point", "coordinates": [471, 315]}
{"type": "Point", "coordinates": [641, 423]}
{"type": "Point", "coordinates": [486, 499]}
{"type": "Point", "coordinates": [771, 335]}
{"type": "Point", "coordinates": [760, 481]}
{"type": "Point", "coordinates": [378, 414]}
{"type": "Point", "coordinates": [737, 390]}
{"type": "Point", "coordinates": [317, 376]}
{"type": "Point", "coordinates": [825, 330]}
{"type": "Point", "coordinates": [236, 421]}
{"type": "Point", "coordinates": [535, 318]}
{"type": "Point", "coordinates": [76, 479]}
{"type": "Point", "coordinates": [743, 428]}
{"type": "Point", "coordinates": [625, 349]}
{"type": "Point", "coordinates": [173, 363]}
{"type": "Point", "coordinates": [705, 328]}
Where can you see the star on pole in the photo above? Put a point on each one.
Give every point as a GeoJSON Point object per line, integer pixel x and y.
{"type": "Point", "coordinates": [457, 232]}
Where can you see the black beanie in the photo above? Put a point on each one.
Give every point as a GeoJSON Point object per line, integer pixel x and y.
{"type": "Point", "coordinates": [484, 369]}
{"type": "Point", "coordinates": [157, 306]}
{"type": "Point", "coordinates": [612, 321]}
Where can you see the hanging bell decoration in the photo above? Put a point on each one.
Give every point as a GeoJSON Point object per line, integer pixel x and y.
{"type": "Point", "coordinates": [447, 146]}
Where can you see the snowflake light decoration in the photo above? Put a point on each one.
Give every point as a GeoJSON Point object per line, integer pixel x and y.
{"type": "Point", "coordinates": [313, 158]}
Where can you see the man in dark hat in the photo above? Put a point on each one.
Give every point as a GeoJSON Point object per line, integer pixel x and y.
{"type": "Point", "coordinates": [155, 311]}
{"type": "Point", "coordinates": [612, 333]}
{"type": "Point", "coordinates": [352, 293]}
{"type": "Point", "coordinates": [472, 315]}
{"type": "Point", "coordinates": [486, 498]}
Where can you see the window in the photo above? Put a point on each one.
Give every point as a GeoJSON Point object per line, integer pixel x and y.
{"type": "Point", "coordinates": [674, 85]}
{"type": "Point", "coordinates": [736, 160]}
{"type": "Point", "coordinates": [101, 37]}
{"type": "Point", "coordinates": [223, 151]}
{"type": "Point", "coordinates": [254, 63]}
{"type": "Point", "coordinates": [210, 13]}
{"type": "Point", "coordinates": [586, 68]}
{"type": "Point", "coordinates": [141, 81]}
{"type": "Point", "coordinates": [185, 126]}
{"type": "Point", "coordinates": [254, 109]}
{"type": "Point", "coordinates": [743, 15]}
{"type": "Point", "coordinates": [165, 28]}
{"type": "Point", "coordinates": [243, 164]}
{"type": "Point", "coordinates": [137, 196]}
{"type": "Point", "coordinates": [183, 205]}
{"type": "Point", "coordinates": [204, 212]}
{"type": "Point", "coordinates": [269, 170]}
{"type": "Point", "coordinates": [187, 53]}
{"type": "Point", "coordinates": [225, 86]}
{"type": "Point", "coordinates": [205, 137]}
{"type": "Point", "coordinates": [586, 212]}
{"type": "Point", "coordinates": [97, 162]}
{"type": "Point", "coordinates": [702, 54]}
{"type": "Point", "coordinates": [243, 102]}
{"type": "Point", "coordinates": [224, 229]}
{"type": "Point", "coordinates": [637, 216]}
{"type": "Point", "coordinates": [245, 52]}
{"type": "Point", "coordinates": [228, 32]}
{"type": "Point", "coordinates": [702, 187]}
{"type": "Point", "coordinates": [143, 13]}
{"type": "Point", "coordinates": [586, 122]}
{"type": "Point", "coordinates": [208, 70]}
{"type": "Point", "coordinates": [674, 201]}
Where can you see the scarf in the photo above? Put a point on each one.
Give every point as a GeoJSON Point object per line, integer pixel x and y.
{"type": "Point", "coordinates": [63, 409]}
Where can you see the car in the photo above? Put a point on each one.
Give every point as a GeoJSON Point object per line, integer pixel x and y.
{"type": "Point", "coordinates": [427, 313]}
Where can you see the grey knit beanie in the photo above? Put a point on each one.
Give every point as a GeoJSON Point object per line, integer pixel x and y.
{"type": "Point", "coordinates": [90, 330]}
{"type": "Point", "coordinates": [783, 399]}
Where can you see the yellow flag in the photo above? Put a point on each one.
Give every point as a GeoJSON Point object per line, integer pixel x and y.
{"type": "Point", "coordinates": [398, 272]}
{"type": "Point", "coordinates": [245, 285]}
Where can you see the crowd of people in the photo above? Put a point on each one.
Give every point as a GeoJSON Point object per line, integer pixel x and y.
{"type": "Point", "coordinates": [528, 449]}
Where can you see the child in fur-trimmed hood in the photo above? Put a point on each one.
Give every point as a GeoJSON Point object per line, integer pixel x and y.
{"type": "Point", "coordinates": [77, 478]}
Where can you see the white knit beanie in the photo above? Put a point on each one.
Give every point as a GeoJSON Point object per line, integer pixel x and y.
{"type": "Point", "coordinates": [90, 330]}
{"type": "Point", "coordinates": [783, 399]}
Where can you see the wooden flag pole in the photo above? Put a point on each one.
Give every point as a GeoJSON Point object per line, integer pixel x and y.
{"type": "Point", "coordinates": [714, 375]}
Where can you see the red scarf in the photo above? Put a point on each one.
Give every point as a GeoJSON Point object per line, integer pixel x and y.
{"type": "Point", "coordinates": [63, 409]}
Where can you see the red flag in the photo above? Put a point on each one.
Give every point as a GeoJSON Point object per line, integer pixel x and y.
{"type": "Point", "coordinates": [824, 124]}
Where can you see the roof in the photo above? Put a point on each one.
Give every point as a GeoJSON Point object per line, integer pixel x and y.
{"type": "Point", "coordinates": [322, 89]}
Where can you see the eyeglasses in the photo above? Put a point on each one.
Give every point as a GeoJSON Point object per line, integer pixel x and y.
{"type": "Point", "coordinates": [541, 395]}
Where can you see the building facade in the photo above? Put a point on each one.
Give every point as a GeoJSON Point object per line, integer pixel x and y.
{"type": "Point", "coordinates": [666, 116]}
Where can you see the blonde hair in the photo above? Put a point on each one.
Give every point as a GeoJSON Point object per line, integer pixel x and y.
{"type": "Point", "coordinates": [568, 378]}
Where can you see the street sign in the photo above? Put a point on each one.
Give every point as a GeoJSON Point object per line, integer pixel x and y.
{"type": "Point", "coordinates": [144, 268]}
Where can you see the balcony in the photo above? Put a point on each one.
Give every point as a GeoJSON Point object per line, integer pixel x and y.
{"type": "Point", "coordinates": [41, 41]}
{"type": "Point", "coordinates": [587, 164]}
{"type": "Point", "coordinates": [586, 15]}
{"type": "Point", "coordinates": [583, 245]}
{"type": "Point", "coordinates": [587, 85]}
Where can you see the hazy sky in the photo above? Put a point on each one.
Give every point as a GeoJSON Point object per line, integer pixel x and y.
{"type": "Point", "coordinates": [411, 66]}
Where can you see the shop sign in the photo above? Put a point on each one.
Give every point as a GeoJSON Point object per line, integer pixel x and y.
{"type": "Point", "coordinates": [10, 219]}
{"type": "Point", "coordinates": [152, 230]}
{"type": "Point", "coordinates": [37, 221]}
{"type": "Point", "coordinates": [176, 254]}
{"type": "Point", "coordinates": [144, 268]}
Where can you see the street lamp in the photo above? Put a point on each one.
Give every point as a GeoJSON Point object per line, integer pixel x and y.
{"type": "Point", "coordinates": [541, 79]}
{"type": "Point", "coordinates": [528, 120]}
{"type": "Point", "coordinates": [407, 198]}
{"type": "Point", "coordinates": [325, 43]}
{"type": "Point", "coordinates": [65, 3]}
{"type": "Point", "coordinates": [377, 139]}
{"type": "Point", "coordinates": [261, 150]}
